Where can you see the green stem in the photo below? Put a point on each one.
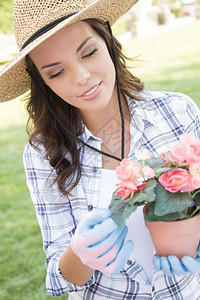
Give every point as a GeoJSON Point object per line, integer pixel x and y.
{"type": "Point", "coordinates": [193, 195]}
{"type": "Point", "coordinates": [194, 212]}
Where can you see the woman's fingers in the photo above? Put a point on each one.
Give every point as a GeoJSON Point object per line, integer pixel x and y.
{"type": "Point", "coordinates": [176, 266]}
{"type": "Point", "coordinates": [191, 265]}
{"type": "Point", "coordinates": [121, 258]}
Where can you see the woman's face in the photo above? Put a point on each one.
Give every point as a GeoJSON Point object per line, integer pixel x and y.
{"type": "Point", "coordinates": [76, 65]}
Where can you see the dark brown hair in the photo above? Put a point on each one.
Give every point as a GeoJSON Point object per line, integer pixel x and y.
{"type": "Point", "coordinates": [47, 131]}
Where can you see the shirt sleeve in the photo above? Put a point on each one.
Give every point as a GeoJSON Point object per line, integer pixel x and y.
{"type": "Point", "coordinates": [191, 116]}
{"type": "Point", "coordinates": [175, 287]}
{"type": "Point", "coordinates": [55, 218]}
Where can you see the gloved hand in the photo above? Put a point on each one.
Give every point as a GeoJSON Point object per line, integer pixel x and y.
{"type": "Point", "coordinates": [99, 242]}
{"type": "Point", "coordinates": [172, 265]}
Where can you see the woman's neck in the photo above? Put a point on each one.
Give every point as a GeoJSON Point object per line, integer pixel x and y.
{"type": "Point", "coordinates": [107, 118]}
{"type": "Point", "coordinates": [107, 125]}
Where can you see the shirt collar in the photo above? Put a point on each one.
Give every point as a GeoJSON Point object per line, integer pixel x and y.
{"type": "Point", "coordinates": [87, 136]}
{"type": "Point", "coordinates": [140, 111]}
{"type": "Point", "coordinates": [143, 110]}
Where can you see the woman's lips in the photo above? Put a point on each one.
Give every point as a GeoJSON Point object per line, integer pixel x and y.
{"type": "Point", "coordinates": [92, 93]}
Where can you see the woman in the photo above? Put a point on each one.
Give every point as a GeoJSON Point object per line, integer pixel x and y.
{"type": "Point", "coordinates": [80, 87]}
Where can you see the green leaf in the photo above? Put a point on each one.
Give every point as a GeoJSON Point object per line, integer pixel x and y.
{"type": "Point", "coordinates": [4, 62]}
{"type": "Point", "coordinates": [121, 210]}
{"type": "Point", "coordinates": [159, 171]}
{"type": "Point", "coordinates": [155, 162]}
{"type": "Point", "coordinates": [148, 192]}
{"type": "Point", "coordinates": [167, 203]}
{"type": "Point", "coordinates": [196, 196]}
{"type": "Point", "coordinates": [152, 217]}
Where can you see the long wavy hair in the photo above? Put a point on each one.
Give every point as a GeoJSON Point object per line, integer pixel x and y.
{"type": "Point", "coordinates": [43, 128]}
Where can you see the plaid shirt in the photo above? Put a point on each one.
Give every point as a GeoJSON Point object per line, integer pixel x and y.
{"type": "Point", "coordinates": [156, 123]}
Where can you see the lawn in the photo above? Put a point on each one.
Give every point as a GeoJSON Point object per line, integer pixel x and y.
{"type": "Point", "coordinates": [168, 62]}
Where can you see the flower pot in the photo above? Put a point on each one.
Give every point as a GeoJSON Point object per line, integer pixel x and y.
{"type": "Point", "coordinates": [179, 238]}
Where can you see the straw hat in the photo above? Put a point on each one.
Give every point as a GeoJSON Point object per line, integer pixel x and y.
{"type": "Point", "coordinates": [29, 16]}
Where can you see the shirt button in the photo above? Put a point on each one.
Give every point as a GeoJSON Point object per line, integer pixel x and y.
{"type": "Point", "coordinates": [94, 169]}
{"type": "Point", "coordinates": [129, 262]}
{"type": "Point", "coordinates": [59, 271]}
{"type": "Point", "coordinates": [90, 207]}
{"type": "Point", "coordinates": [153, 288]}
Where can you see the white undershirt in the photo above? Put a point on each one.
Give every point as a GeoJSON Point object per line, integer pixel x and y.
{"type": "Point", "coordinates": [137, 231]}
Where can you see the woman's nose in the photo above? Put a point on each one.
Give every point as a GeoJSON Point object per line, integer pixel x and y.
{"type": "Point", "coordinates": [80, 75]}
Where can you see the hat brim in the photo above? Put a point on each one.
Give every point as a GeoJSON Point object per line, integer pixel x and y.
{"type": "Point", "coordinates": [15, 81]}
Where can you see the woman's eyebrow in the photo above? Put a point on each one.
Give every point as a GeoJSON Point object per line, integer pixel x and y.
{"type": "Point", "coordinates": [78, 49]}
{"type": "Point", "coordinates": [81, 46]}
{"type": "Point", "coordinates": [51, 65]}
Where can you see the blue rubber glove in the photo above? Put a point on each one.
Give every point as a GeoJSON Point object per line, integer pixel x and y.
{"type": "Point", "coordinates": [172, 265]}
{"type": "Point", "coordinates": [99, 242]}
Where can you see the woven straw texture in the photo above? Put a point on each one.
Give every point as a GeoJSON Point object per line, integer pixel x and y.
{"type": "Point", "coordinates": [31, 15]}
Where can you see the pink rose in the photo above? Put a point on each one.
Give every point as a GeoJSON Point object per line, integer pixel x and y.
{"type": "Point", "coordinates": [193, 153]}
{"type": "Point", "coordinates": [175, 180]}
{"type": "Point", "coordinates": [124, 171]}
{"type": "Point", "coordinates": [129, 170]}
{"type": "Point", "coordinates": [126, 189]}
{"type": "Point", "coordinates": [186, 152]}
{"type": "Point", "coordinates": [165, 157]}
{"type": "Point", "coordinates": [194, 171]}
{"type": "Point", "coordinates": [148, 172]}
{"type": "Point", "coordinates": [143, 154]}
{"type": "Point", "coordinates": [177, 154]}
{"type": "Point", "coordinates": [141, 186]}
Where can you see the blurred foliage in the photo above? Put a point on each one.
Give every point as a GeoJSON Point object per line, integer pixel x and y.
{"type": "Point", "coordinates": [120, 27]}
{"type": "Point", "coordinates": [7, 59]}
{"type": "Point", "coordinates": [175, 6]}
{"type": "Point", "coordinates": [160, 2]}
{"type": "Point", "coordinates": [6, 7]}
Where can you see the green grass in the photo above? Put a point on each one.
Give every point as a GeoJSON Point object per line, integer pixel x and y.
{"type": "Point", "coordinates": [22, 261]}
{"type": "Point", "coordinates": [6, 8]}
{"type": "Point", "coordinates": [169, 62]}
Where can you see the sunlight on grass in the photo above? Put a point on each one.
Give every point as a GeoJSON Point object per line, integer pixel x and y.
{"type": "Point", "coordinates": [12, 113]}
{"type": "Point", "coordinates": [169, 62]}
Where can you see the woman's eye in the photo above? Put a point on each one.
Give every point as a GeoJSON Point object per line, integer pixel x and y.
{"type": "Point", "coordinates": [56, 75]}
{"type": "Point", "coordinates": [91, 53]}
